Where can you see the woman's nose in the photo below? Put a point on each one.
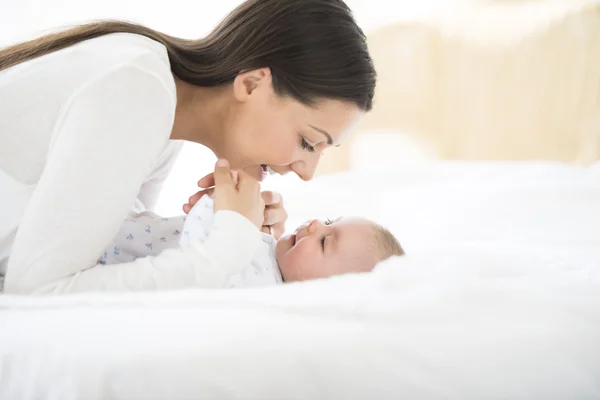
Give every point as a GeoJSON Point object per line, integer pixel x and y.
{"type": "Point", "coordinates": [305, 169]}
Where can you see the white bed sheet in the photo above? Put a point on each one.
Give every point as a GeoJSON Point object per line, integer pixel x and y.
{"type": "Point", "coordinates": [498, 297]}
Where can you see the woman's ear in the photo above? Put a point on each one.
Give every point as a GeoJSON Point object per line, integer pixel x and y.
{"type": "Point", "coordinates": [247, 82]}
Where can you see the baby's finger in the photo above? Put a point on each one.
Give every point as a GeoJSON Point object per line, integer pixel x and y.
{"type": "Point", "coordinates": [246, 181]}
{"type": "Point", "coordinates": [235, 177]}
{"type": "Point", "coordinates": [223, 177]}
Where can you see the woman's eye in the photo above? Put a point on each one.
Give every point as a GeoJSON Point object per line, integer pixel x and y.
{"type": "Point", "coordinates": [328, 221]}
{"type": "Point", "coordinates": [304, 144]}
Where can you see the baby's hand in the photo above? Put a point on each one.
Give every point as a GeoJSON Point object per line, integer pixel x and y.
{"type": "Point", "coordinates": [240, 194]}
{"type": "Point", "coordinates": [208, 185]}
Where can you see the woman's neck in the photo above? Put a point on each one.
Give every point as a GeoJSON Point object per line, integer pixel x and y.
{"type": "Point", "coordinates": [200, 114]}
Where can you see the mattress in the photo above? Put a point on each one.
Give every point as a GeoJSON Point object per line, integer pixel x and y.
{"type": "Point", "coordinates": [498, 297]}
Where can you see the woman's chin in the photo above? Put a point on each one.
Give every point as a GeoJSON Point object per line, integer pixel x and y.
{"type": "Point", "coordinates": [258, 172]}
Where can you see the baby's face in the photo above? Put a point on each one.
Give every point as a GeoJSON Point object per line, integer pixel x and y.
{"type": "Point", "coordinates": [323, 249]}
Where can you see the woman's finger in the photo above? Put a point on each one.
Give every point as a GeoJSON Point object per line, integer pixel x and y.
{"type": "Point", "coordinates": [275, 215]}
{"type": "Point", "coordinates": [276, 230]}
{"type": "Point", "coordinates": [272, 198]}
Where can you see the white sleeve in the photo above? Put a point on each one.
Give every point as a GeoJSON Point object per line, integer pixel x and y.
{"type": "Point", "coordinates": [106, 144]}
{"type": "Point", "coordinates": [232, 242]}
{"type": "Point", "coordinates": [150, 190]}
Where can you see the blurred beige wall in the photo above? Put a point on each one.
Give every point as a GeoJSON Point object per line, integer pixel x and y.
{"type": "Point", "coordinates": [494, 80]}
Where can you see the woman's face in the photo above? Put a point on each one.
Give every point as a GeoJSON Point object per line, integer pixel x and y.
{"type": "Point", "coordinates": [266, 130]}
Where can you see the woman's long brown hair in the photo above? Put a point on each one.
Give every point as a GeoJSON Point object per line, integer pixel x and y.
{"type": "Point", "coordinates": [314, 49]}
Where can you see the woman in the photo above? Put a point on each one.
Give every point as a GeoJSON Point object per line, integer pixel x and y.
{"type": "Point", "coordinates": [93, 117]}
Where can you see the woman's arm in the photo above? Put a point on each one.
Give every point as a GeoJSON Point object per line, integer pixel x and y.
{"type": "Point", "coordinates": [106, 144]}
{"type": "Point", "coordinates": [151, 188]}
{"type": "Point", "coordinates": [231, 245]}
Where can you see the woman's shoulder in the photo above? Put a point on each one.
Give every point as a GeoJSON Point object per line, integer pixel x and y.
{"type": "Point", "coordinates": [131, 50]}
{"type": "Point", "coordinates": [113, 51]}
{"type": "Point", "coordinates": [123, 47]}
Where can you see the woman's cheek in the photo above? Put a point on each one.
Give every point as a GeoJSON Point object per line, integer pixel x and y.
{"type": "Point", "coordinates": [283, 152]}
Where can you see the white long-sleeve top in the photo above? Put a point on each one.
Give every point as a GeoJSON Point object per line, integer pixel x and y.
{"type": "Point", "coordinates": [84, 139]}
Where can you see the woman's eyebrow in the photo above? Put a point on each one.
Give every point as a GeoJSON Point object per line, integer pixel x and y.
{"type": "Point", "coordinates": [329, 139]}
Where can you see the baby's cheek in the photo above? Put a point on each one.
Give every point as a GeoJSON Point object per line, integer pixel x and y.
{"type": "Point", "coordinates": [287, 267]}
{"type": "Point", "coordinates": [313, 268]}
{"type": "Point", "coordinates": [295, 267]}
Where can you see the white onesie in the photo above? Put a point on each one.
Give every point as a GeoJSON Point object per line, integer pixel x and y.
{"type": "Point", "coordinates": [147, 234]}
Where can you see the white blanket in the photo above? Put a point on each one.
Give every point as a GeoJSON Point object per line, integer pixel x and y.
{"type": "Point", "coordinates": [502, 300]}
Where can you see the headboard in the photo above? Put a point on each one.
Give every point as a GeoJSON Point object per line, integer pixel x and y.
{"type": "Point", "coordinates": [492, 81]}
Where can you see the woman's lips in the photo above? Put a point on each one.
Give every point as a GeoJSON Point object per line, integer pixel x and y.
{"type": "Point", "coordinates": [293, 239]}
{"type": "Point", "coordinates": [263, 172]}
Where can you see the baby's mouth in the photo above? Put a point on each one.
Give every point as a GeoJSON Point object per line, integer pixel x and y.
{"type": "Point", "coordinates": [293, 239]}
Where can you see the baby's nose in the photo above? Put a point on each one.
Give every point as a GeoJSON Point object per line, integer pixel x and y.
{"type": "Point", "coordinates": [308, 228]}
{"type": "Point", "coordinates": [301, 232]}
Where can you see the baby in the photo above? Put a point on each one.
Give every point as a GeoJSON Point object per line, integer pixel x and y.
{"type": "Point", "coordinates": [315, 250]}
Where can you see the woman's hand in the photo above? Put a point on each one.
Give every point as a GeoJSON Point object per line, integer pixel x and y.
{"type": "Point", "coordinates": [275, 214]}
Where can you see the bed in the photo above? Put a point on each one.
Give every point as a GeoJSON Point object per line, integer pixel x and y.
{"type": "Point", "coordinates": [498, 297]}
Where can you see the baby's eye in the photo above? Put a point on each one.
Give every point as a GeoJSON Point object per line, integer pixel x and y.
{"type": "Point", "coordinates": [304, 144]}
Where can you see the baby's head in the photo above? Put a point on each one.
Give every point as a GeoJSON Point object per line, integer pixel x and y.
{"type": "Point", "coordinates": [322, 249]}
